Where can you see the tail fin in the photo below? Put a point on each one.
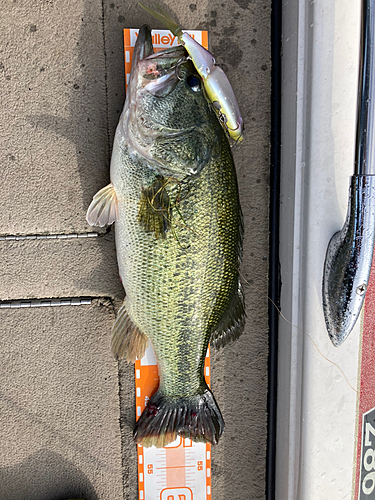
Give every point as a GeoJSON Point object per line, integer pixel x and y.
{"type": "Point", "coordinates": [197, 417]}
{"type": "Point", "coordinates": [164, 18]}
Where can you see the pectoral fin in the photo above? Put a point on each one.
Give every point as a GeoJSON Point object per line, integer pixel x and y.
{"type": "Point", "coordinates": [103, 209]}
{"type": "Point", "coordinates": [127, 338]}
{"type": "Point", "coordinates": [154, 212]}
{"type": "Point", "coordinates": [232, 322]}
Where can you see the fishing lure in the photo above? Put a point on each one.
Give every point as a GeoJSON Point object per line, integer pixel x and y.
{"type": "Point", "coordinates": [216, 84]}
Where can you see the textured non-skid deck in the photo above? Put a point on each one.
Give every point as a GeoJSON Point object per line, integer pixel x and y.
{"type": "Point", "coordinates": [67, 407]}
{"type": "Point", "coordinates": [59, 409]}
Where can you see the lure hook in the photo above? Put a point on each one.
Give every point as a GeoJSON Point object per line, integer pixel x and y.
{"type": "Point", "coordinates": [181, 61]}
{"type": "Point", "coordinates": [216, 84]}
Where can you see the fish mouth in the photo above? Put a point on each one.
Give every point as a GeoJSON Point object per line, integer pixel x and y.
{"type": "Point", "coordinates": [143, 46]}
{"type": "Point", "coordinates": [155, 73]}
{"type": "Point", "coordinates": [144, 49]}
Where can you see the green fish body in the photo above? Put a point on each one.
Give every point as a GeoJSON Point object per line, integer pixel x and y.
{"type": "Point", "coordinates": [174, 197]}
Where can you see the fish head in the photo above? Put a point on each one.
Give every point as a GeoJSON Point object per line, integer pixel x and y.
{"type": "Point", "coordinates": [168, 118]}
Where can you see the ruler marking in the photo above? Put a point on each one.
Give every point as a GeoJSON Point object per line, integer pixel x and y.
{"type": "Point", "coordinates": [175, 467]}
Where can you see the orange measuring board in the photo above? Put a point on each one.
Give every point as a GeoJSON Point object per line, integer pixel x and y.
{"type": "Point", "coordinates": [181, 470]}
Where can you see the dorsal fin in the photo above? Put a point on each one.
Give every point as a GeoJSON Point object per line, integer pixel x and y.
{"type": "Point", "coordinates": [127, 338]}
{"type": "Point", "coordinates": [232, 323]}
{"type": "Point", "coordinates": [103, 209]}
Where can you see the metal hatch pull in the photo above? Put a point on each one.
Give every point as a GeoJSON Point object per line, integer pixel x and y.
{"type": "Point", "coordinates": [349, 254]}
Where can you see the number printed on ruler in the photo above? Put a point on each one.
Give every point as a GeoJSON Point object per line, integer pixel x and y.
{"type": "Point", "coordinates": [367, 475]}
{"type": "Point", "coordinates": [177, 471]}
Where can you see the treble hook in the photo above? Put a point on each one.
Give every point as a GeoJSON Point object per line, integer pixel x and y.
{"type": "Point", "coordinates": [181, 61]}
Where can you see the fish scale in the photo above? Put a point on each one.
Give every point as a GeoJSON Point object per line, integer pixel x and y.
{"type": "Point", "coordinates": [162, 278]}
{"type": "Point", "coordinates": [178, 240]}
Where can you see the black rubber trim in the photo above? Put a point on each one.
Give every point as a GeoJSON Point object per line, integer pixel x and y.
{"type": "Point", "coordinates": [274, 264]}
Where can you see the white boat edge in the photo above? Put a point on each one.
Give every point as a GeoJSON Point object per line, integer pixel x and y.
{"type": "Point", "coordinates": [316, 413]}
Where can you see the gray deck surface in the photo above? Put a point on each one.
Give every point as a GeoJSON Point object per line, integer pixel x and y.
{"type": "Point", "coordinates": [66, 406]}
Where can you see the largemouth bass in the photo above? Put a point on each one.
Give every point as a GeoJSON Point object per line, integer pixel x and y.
{"type": "Point", "coordinates": [174, 197]}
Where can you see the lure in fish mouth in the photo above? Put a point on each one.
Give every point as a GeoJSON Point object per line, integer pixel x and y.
{"type": "Point", "coordinates": [174, 199]}
{"type": "Point", "coordinates": [151, 122]}
{"type": "Point", "coordinates": [216, 84]}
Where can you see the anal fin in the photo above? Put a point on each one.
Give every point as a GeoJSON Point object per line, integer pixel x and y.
{"type": "Point", "coordinates": [232, 323]}
{"type": "Point", "coordinates": [127, 338]}
{"type": "Point", "coordinates": [103, 209]}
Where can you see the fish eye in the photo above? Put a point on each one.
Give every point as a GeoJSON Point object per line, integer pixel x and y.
{"type": "Point", "coordinates": [194, 82]}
